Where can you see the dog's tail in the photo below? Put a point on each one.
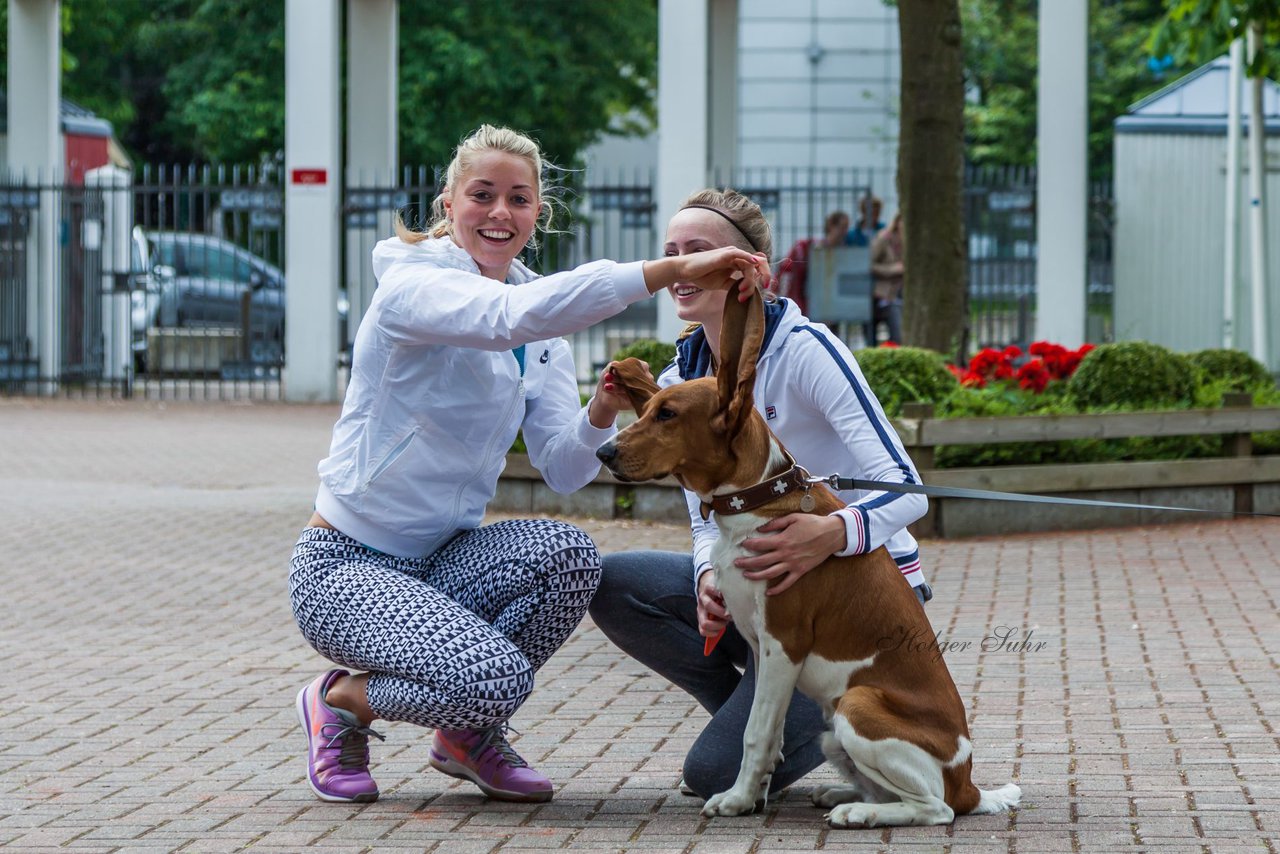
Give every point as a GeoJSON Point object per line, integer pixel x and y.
{"type": "Point", "coordinates": [997, 800]}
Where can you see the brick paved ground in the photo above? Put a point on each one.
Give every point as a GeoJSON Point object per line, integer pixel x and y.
{"type": "Point", "coordinates": [153, 661]}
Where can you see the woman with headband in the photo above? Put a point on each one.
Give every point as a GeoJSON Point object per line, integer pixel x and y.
{"type": "Point", "coordinates": [659, 606]}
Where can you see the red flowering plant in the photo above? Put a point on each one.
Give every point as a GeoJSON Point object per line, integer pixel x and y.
{"type": "Point", "coordinates": [988, 366]}
{"type": "Point", "coordinates": [1060, 362]}
{"type": "Point", "coordinates": [1048, 362]}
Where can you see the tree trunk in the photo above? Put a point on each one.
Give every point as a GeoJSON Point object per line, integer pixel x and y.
{"type": "Point", "coordinates": [930, 176]}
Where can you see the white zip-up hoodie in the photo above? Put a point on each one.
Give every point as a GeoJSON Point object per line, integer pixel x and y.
{"type": "Point", "coordinates": [813, 396]}
{"type": "Point", "coordinates": [436, 395]}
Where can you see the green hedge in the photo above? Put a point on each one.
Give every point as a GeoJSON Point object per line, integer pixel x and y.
{"type": "Point", "coordinates": [658, 354]}
{"type": "Point", "coordinates": [901, 375]}
{"type": "Point", "coordinates": [1130, 376]}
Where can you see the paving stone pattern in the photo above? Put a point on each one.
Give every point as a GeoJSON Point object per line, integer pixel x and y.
{"type": "Point", "coordinates": [1126, 679]}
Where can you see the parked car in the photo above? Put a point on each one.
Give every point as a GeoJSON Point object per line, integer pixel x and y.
{"type": "Point", "coordinates": [185, 280]}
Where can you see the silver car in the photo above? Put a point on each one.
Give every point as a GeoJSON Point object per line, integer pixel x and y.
{"type": "Point", "coordinates": [185, 280]}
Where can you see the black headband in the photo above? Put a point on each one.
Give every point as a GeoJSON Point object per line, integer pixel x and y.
{"type": "Point", "coordinates": [730, 220]}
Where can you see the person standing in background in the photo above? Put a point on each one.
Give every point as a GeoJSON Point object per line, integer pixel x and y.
{"type": "Point", "coordinates": [887, 281]}
{"type": "Point", "coordinates": [793, 277]}
{"type": "Point", "coordinates": [868, 225]}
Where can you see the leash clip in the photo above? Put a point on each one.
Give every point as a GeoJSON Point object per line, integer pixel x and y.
{"type": "Point", "coordinates": [831, 480]}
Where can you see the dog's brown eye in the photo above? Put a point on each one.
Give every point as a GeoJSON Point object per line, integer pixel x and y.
{"type": "Point", "coordinates": [664, 414]}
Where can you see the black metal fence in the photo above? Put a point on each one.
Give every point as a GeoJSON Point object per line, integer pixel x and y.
{"type": "Point", "coordinates": [170, 282]}
{"type": "Point", "coordinates": [1000, 223]}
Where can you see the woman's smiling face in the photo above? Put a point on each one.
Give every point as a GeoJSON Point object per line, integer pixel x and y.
{"type": "Point", "coordinates": [699, 230]}
{"type": "Point", "coordinates": [494, 210]}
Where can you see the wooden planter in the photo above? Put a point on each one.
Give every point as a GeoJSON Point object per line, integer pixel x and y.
{"type": "Point", "coordinates": [1239, 482]}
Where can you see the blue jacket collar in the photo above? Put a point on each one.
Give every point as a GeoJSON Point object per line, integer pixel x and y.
{"type": "Point", "coordinates": [693, 353]}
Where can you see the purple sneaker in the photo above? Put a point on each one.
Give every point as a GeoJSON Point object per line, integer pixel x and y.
{"type": "Point", "coordinates": [485, 758]}
{"type": "Point", "coordinates": [337, 746]}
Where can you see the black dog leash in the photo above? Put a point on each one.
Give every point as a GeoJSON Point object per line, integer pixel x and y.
{"type": "Point", "coordinates": [837, 482]}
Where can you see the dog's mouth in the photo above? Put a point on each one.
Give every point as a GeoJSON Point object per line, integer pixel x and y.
{"type": "Point", "coordinates": [626, 478]}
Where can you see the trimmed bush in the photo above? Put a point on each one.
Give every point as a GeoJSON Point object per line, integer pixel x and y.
{"type": "Point", "coordinates": [901, 375]}
{"type": "Point", "coordinates": [1132, 375]}
{"type": "Point", "coordinates": [1235, 369]}
{"type": "Point", "coordinates": [658, 354]}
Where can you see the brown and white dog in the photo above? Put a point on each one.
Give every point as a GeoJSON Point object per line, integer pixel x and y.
{"type": "Point", "coordinates": [898, 733]}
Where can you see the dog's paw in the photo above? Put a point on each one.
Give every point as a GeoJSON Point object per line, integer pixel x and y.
{"type": "Point", "coordinates": [731, 802]}
{"type": "Point", "coordinates": [835, 794]}
{"type": "Point", "coordinates": [852, 816]}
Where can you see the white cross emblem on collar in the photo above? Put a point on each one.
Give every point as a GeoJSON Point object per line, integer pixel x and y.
{"type": "Point", "coordinates": [737, 503]}
{"type": "Point", "coordinates": [780, 486]}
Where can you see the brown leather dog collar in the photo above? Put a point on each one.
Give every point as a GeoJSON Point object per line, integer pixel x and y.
{"type": "Point", "coordinates": [765, 492]}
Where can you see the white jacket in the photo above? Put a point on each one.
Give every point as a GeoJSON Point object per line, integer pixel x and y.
{"type": "Point", "coordinates": [813, 396]}
{"type": "Point", "coordinates": [436, 396]}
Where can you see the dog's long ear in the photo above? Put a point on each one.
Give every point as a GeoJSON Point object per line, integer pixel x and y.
{"type": "Point", "coordinates": [741, 334]}
{"type": "Point", "coordinates": [636, 381]}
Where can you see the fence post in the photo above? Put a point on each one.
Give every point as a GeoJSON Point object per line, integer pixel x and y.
{"type": "Point", "coordinates": [929, 525]}
{"type": "Point", "coordinates": [1239, 445]}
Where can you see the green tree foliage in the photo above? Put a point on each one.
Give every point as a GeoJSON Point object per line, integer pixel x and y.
{"type": "Point", "coordinates": [557, 69]}
{"type": "Point", "coordinates": [203, 80]}
{"type": "Point", "coordinates": [1196, 31]}
{"type": "Point", "coordinates": [1001, 68]}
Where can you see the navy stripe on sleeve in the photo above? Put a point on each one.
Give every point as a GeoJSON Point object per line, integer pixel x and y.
{"type": "Point", "coordinates": [880, 426]}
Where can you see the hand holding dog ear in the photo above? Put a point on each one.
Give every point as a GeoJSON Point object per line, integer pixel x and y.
{"type": "Point", "coordinates": [617, 390]}
{"type": "Point", "coordinates": [714, 270]}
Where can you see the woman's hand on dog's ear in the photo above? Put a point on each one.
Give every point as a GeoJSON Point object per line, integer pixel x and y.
{"type": "Point", "coordinates": [610, 399]}
{"type": "Point", "coordinates": [614, 394]}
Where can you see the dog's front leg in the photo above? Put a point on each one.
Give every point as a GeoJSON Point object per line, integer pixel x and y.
{"type": "Point", "coordinates": [776, 677]}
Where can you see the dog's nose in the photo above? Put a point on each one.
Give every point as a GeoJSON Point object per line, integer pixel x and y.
{"type": "Point", "coordinates": [607, 452]}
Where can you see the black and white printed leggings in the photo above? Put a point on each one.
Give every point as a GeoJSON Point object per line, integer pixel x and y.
{"type": "Point", "coordinates": [451, 641]}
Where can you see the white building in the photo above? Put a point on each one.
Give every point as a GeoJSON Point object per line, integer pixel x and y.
{"type": "Point", "coordinates": [815, 86]}
{"type": "Point", "coordinates": [1170, 239]}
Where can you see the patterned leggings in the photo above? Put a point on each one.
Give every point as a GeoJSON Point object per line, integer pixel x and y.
{"type": "Point", "coordinates": [452, 640]}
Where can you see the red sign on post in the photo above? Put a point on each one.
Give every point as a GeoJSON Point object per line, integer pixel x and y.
{"type": "Point", "coordinates": [309, 176]}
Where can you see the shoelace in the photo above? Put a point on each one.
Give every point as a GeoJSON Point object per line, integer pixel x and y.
{"type": "Point", "coordinates": [497, 739]}
{"type": "Point", "coordinates": [354, 751]}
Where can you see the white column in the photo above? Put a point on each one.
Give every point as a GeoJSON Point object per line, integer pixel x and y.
{"type": "Point", "coordinates": [372, 128]}
{"type": "Point", "coordinates": [312, 199]}
{"type": "Point", "coordinates": [722, 89]}
{"type": "Point", "coordinates": [35, 152]}
{"type": "Point", "coordinates": [116, 185]}
{"type": "Point", "coordinates": [1062, 177]}
{"type": "Point", "coordinates": [1231, 221]}
{"type": "Point", "coordinates": [683, 121]}
{"type": "Point", "coordinates": [1259, 348]}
